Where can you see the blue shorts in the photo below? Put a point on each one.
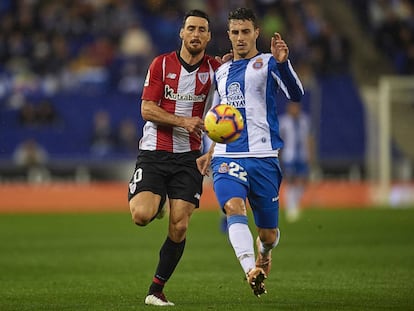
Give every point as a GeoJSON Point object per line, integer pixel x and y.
{"type": "Point", "coordinates": [295, 169]}
{"type": "Point", "coordinates": [257, 179]}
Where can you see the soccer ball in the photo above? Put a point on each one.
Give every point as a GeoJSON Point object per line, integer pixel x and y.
{"type": "Point", "coordinates": [223, 123]}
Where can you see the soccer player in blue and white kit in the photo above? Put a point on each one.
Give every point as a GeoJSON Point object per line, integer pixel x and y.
{"type": "Point", "coordinates": [249, 167]}
{"type": "Point", "coordinates": [295, 130]}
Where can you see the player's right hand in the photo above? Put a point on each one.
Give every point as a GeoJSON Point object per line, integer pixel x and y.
{"type": "Point", "coordinates": [194, 125]}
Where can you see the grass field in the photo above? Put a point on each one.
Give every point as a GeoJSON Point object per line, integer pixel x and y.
{"type": "Point", "coordinates": [329, 260]}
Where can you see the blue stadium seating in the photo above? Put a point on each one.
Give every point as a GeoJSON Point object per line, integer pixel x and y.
{"type": "Point", "coordinates": [71, 137]}
{"type": "Point", "coordinates": [341, 139]}
{"type": "Point", "coordinates": [342, 128]}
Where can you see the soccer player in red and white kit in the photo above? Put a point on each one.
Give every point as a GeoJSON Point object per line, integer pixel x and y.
{"type": "Point", "coordinates": [173, 103]}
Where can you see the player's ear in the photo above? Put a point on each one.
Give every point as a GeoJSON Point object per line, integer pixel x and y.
{"type": "Point", "coordinates": [181, 33]}
{"type": "Point", "coordinates": [257, 32]}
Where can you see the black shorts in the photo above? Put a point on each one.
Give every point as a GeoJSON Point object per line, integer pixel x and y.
{"type": "Point", "coordinates": [167, 173]}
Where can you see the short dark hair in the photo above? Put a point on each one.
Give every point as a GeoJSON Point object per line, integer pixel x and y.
{"type": "Point", "coordinates": [244, 14]}
{"type": "Point", "coordinates": [197, 13]}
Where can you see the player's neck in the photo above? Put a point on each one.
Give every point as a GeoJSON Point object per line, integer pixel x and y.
{"type": "Point", "coordinates": [249, 55]}
{"type": "Point", "coordinates": [191, 59]}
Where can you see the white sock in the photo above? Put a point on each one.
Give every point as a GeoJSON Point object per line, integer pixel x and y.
{"type": "Point", "coordinates": [291, 198]}
{"type": "Point", "coordinates": [242, 241]}
{"type": "Point", "coordinates": [298, 194]}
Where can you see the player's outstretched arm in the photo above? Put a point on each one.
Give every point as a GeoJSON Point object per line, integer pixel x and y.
{"type": "Point", "coordinates": [280, 52]}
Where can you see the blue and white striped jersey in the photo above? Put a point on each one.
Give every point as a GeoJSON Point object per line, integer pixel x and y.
{"type": "Point", "coordinates": [295, 133]}
{"type": "Point", "coordinates": [251, 85]}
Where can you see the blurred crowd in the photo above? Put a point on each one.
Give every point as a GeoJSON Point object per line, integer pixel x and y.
{"type": "Point", "coordinates": [87, 46]}
{"type": "Point", "coordinates": [56, 46]}
{"type": "Point", "coordinates": [391, 25]}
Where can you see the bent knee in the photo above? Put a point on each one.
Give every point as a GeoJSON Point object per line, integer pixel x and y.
{"type": "Point", "coordinates": [180, 229]}
{"type": "Point", "coordinates": [138, 217]}
{"type": "Point", "coordinates": [269, 236]}
{"type": "Point", "coordinates": [235, 206]}
{"type": "Point", "coordinates": [178, 232]}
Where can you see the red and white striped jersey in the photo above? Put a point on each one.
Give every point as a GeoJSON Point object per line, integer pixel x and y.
{"type": "Point", "coordinates": [179, 92]}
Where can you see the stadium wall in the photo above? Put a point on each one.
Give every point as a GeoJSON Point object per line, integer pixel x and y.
{"type": "Point", "coordinates": [112, 196]}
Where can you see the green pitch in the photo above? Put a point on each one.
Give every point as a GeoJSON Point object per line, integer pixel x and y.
{"type": "Point", "coordinates": [329, 260]}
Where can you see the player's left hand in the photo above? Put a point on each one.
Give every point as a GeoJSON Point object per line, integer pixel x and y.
{"type": "Point", "coordinates": [203, 164]}
{"type": "Point", "coordinates": [279, 48]}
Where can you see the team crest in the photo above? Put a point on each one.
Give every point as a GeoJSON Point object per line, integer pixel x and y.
{"type": "Point", "coordinates": [258, 63]}
{"type": "Point", "coordinates": [203, 77]}
{"type": "Point", "coordinates": [224, 168]}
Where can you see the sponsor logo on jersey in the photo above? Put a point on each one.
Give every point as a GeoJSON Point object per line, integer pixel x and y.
{"type": "Point", "coordinates": [170, 94]}
{"type": "Point", "coordinates": [203, 77]}
{"type": "Point", "coordinates": [258, 63]}
{"type": "Point", "coordinates": [235, 96]}
{"type": "Point", "coordinates": [171, 75]}
{"type": "Point", "coordinates": [224, 168]}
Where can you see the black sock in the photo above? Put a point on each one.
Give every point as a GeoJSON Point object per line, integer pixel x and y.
{"type": "Point", "coordinates": [170, 255]}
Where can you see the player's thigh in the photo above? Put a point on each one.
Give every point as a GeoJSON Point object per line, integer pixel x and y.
{"type": "Point", "coordinates": [185, 183]}
{"type": "Point", "coordinates": [265, 177]}
{"type": "Point", "coordinates": [230, 179]}
{"type": "Point", "coordinates": [146, 187]}
{"type": "Point", "coordinates": [145, 203]}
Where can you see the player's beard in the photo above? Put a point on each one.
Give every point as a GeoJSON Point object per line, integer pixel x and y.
{"type": "Point", "coordinates": [242, 55]}
{"type": "Point", "coordinates": [194, 51]}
